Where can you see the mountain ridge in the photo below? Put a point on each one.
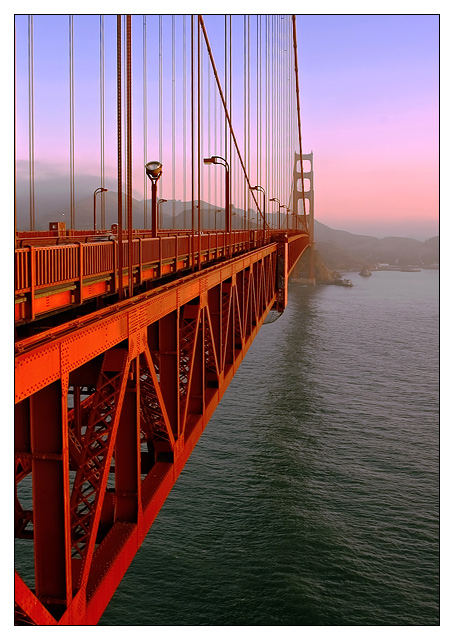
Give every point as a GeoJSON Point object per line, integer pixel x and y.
{"type": "Point", "coordinates": [338, 249]}
{"type": "Point", "coordinates": [345, 250]}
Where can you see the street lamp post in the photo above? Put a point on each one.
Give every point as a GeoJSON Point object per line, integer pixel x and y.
{"type": "Point", "coordinates": [279, 203]}
{"type": "Point", "coordinates": [259, 188]}
{"type": "Point", "coordinates": [160, 201]}
{"type": "Point", "coordinates": [225, 164]}
{"type": "Point", "coordinates": [281, 206]}
{"type": "Point", "coordinates": [98, 190]}
{"type": "Point", "coordinates": [216, 218]}
{"type": "Point", "coordinates": [154, 171]}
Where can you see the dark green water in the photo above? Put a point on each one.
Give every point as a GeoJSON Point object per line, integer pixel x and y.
{"type": "Point", "coordinates": [313, 496]}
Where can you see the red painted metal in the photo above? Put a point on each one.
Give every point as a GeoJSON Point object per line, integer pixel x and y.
{"type": "Point", "coordinates": [110, 406]}
{"type": "Point", "coordinates": [56, 277]}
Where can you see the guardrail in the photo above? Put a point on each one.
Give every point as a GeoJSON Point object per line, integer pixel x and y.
{"type": "Point", "coordinates": [55, 276]}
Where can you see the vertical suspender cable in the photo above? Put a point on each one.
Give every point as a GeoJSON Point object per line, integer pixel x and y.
{"type": "Point", "coordinates": [101, 110]}
{"type": "Point", "coordinates": [15, 139]}
{"type": "Point", "coordinates": [231, 116]}
{"type": "Point", "coordinates": [288, 114]}
{"type": "Point", "coordinates": [279, 103]}
{"type": "Point", "coordinates": [71, 122]}
{"type": "Point", "coordinates": [160, 100]}
{"type": "Point", "coordinates": [184, 120]}
{"type": "Point", "coordinates": [119, 164]}
{"type": "Point", "coordinates": [274, 114]}
{"type": "Point", "coordinates": [209, 139]}
{"type": "Point", "coordinates": [199, 73]}
{"type": "Point", "coordinates": [225, 81]}
{"type": "Point", "coordinates": [200, 125]}
{"type": "Point", "coordinates": [248, 112]}
{"type": "Point", "coordinates": [267, 138]}
{"type": "Point", "coordinates": [145, 122]}
{"type": "Point", "coordinates": [259, 101]}
{"type": "Point", "coordinates": [31, 124]}
{"type": "Point", "coordinates": [192, 143]}
{"type": "Point", "coordinates": [281, 122]}
{"type": "Point", "coordinates": [173, 121]}
{"type": "Point", "coordinates": [277, 109]}
{"type": "Point", "coordinates": [299, 116]}
{"type": "Point", "coordinates": [125, 221]}
{"type": "Point", "coordinates": [216, 150]}
{"type": "Point", "coordinates": [246, 157]}
{"type": "Point", "coordinates": [129, 152]}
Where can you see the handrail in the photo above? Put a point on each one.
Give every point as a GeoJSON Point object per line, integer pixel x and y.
{"type": "Point", "coordinates": [79, 265]}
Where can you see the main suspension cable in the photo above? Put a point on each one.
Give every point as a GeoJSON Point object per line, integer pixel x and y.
{"type": "Point", "coordinates": [71, 123]}
{"type": "Point", "coordinates": [226, 111]}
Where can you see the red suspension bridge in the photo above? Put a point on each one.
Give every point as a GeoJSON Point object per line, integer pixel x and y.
{"type": "Point", "coordinates": [127, 338]}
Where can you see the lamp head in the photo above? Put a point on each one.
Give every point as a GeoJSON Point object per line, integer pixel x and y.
{"type": "Point", "coordinates": [153, 169]}
{"type": "Point", "coordinates": [216, 160]}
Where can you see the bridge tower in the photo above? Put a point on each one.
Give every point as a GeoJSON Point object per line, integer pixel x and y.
{"type": "Point", "coordinates": [308, 195]}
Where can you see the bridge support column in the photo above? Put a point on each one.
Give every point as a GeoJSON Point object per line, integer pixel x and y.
{"type": "Point", "coordinates": [299, 175]}
{"type": "Point", "coordinates": [282, 274]}
{"type": "Point", "coordinates": [50, 472]}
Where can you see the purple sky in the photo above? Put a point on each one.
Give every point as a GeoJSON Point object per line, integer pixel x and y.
{"type": "Point", "coordinates": [369, 91]}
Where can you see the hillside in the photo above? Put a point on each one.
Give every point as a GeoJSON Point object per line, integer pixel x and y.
{"type": "Point", "coordinates": [338, 249]}
{"type": "Point", "coordinates": [345, 250]}
{"type": "Point", "coordinates": [212, 217]}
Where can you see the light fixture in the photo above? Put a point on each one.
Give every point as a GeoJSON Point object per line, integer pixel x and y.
{"type": "Point", "coordinates": [228, 213]}
{"type": "Point", "coordinates": [153, 169]}
{"type": "Point", "coordinates": [259, 188]}
{"type": "Point", "coordinates": [96, 191]}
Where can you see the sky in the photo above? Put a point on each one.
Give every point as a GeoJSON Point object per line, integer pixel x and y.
{"type": "Point", "coordinates": [370, 114]}
{"type": "Point", "coordinates": [369, 87]}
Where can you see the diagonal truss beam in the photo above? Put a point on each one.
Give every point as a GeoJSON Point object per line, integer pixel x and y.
{"type": "Point", "coordinates": [116, 443]}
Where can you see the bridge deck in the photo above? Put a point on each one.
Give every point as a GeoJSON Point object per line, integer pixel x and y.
{"type": "Point", "coordinates": [110, 405]}
{"type": "Point", "coordinates": [52, 277]}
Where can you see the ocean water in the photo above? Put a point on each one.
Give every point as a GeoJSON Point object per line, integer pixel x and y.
{"type": "Point", "coordinates": [312, 498]}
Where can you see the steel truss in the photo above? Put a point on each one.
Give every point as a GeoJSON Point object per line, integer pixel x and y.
{"type": "Point", "coordinates": [108, 410]}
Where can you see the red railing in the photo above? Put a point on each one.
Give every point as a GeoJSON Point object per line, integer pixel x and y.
{"type": "Point", "coordinates": [90, 269]}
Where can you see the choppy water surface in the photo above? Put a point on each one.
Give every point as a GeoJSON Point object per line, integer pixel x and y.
{"type": "Point", "coordinates": [312, 497]}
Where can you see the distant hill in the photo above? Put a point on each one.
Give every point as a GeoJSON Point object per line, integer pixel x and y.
{"type": "Point", "coordinates": [211, 217]}
{"type": "Point", "coordinates": [344, 250]}
{"type": "Point", "coordinates": [338, 249]}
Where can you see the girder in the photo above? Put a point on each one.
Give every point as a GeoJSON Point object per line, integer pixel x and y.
{"type": "Point", "coordinates": [107, 413]}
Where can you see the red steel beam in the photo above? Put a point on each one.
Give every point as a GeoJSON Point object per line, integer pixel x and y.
{"type": "Point", "coordinates": [52, 278]}
{"type": "Point", "coordinates": [152, 369]}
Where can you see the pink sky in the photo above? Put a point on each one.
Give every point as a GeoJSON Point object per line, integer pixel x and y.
{"type": "Point", "coordinates": [369, 100]}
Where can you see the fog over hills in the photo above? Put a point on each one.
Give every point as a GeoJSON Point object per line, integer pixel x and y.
{"type": "Point", "coordinates": [338, 249]}
{"type": "Point", "coordinates": [170, 211]}
{"type": "Point", "coordinates": [344, 250]}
